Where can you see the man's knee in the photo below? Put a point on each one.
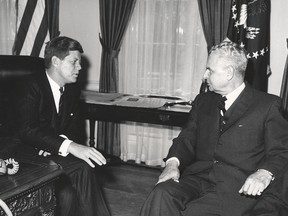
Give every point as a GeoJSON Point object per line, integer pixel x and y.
{"type": "Point", "coordinates": [162, 201]}
{"type": "Point", "coordinates": [163, 190]}
{"type": "Point", "coordinates": [162, 187]}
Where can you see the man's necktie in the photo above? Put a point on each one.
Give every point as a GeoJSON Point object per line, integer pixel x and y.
{"type": "Point", "coordinates": [61, 101]}
{"type": "Point", "coordinates": [221, 106]}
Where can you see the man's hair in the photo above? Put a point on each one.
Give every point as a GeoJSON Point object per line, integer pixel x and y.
{"type": "Point", "coordinates": [232, 53]}
{"type": "Point", "coordinates": [60, 47]}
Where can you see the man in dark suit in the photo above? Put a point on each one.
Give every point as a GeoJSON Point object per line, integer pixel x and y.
{"type": "Point", "coordinates": [234, 144]}
{"type": "Point", "coordinates": [49, 119]}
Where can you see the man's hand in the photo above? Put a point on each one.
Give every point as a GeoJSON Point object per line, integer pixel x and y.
{"type": "Point", "coordinates": [86, 153]}
{"type": "Point", "coordinates": [256, 183]}
{"type": "Point", "coordinates": [171, 171]}
{"type": "Point", "coordinates": [44, 153]}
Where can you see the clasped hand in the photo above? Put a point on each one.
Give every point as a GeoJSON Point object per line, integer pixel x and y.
{"type": "Point", "coordinates": [256, 183]}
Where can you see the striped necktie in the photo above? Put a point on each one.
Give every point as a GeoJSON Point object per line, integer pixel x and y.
{"type": "Point", "coordinates": [221, 106]}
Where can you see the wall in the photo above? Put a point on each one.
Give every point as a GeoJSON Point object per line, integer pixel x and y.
{"type": "Point", "coordinates": [80, 20]}
{"type": "Point", "coordinates": [279, 33]}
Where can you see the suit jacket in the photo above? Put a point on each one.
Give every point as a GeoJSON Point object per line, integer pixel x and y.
{"type": "Point", "coordinates": [255, 136]}
{"type": "Point", "coordinates": [40, 126]}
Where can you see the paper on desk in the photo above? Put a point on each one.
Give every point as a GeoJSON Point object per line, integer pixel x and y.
{"type": "Point", "coordinates": [100, 98]}
{"type": "Point", "coordinates": [119, 99]}
{"type": "Point", "coordinates": [138, 101]}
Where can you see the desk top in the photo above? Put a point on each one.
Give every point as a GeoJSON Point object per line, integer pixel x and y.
{"type": "Point", "coordinates": [168, 103]}
{"type": "Point", "coordinates": [32, 173]}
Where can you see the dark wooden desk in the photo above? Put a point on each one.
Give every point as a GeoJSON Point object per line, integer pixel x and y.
{"type": "Point", "coordinates": [121, 108]}
{"type": "Point", "coordinates": [31, 191]}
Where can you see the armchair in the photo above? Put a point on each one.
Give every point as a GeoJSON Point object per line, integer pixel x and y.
{"type": "Point", "coordinates": [13, 72]}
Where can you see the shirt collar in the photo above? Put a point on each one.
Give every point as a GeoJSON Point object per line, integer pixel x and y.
{"type": "Point", "coordinates": [231, 97]}
{"type": "Point", "coordinates": [53, 84]}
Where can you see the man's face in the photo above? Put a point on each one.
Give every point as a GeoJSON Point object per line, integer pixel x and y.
{"type": "Point", "coordinates": [69, 67]}
{"type": "Point", "coordinates": [216, 73]}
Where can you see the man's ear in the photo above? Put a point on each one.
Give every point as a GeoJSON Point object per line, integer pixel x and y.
{"type": "Point", "coordinates": [230, 72]}
{"type": "Point", "coordinates": [55, 61]}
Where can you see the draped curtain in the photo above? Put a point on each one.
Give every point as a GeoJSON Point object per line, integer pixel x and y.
{"type": "Point", "coordinates": [52, 9]}
{"type": "Point", "coordinates": [7, 26]}
{"type": "Point", "coordinates": [284, 88]}
{"type": "Point", "coordinates": [163, 53]}
{"type": "Point", "coordinates": [114, 18]}
{"type": "Point", "coordinates": [215, 20]}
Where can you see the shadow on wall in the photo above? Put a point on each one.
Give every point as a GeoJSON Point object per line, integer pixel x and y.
{"type": "Point", "coordinates": [83, 76]}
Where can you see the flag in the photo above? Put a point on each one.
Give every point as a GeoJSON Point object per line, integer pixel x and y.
{"type": "Point", "coordinates": [35, 21]}
{"type": "Point", "coordinates": [249, 26]}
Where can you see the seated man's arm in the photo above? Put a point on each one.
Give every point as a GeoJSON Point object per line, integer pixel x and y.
{"type": "Point", "coordinates": [34, 129]}
{"type": "Point", "coordinates": [276, 148]}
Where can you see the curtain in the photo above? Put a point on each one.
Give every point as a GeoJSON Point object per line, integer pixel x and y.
{"type": "Point", "coordinates": [250, 27]}
{"type": "Point", "coordinates": [37, 23]}
{"type": "Point", "coordinates": [7, 26]}
{"type": "Point", "coordinates": [52, 10]}
{"type": "Point", "coordinates": [284, 88]}
{"type": "Point", "coordinates": [215, 20]}
{"type": "Point", "coordinates": [163, 53]}
{"type": "Point", "coordinates": [114, 18]}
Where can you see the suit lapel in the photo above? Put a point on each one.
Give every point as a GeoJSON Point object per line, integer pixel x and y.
{"type": "Point", "coordinates": [67, 111]}
{"type": "Point", "coordinates": [239, 107]}
{"type": "Point", "coordinates": [48, 95]}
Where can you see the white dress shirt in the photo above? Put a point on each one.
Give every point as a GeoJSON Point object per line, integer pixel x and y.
{"type": "Point", "coordinates": [56, 94]}
{"type": "Point", "coordinates": [231, 97]}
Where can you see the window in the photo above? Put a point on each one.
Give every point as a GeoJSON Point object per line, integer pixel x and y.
{"type": "Point", "coordinates": [164, 52]}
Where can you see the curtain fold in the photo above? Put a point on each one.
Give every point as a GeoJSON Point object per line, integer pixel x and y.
{"type": "Point", "coordinates": [7, 26]}
{"type": "Point", "coordinates": [114, 18]}
{"type": "Point", "coordinates": [52, 9]}
{"type": "Point", "coordinates": [284, 88]}
{"type": "Point", "coordinates": [215, 20]}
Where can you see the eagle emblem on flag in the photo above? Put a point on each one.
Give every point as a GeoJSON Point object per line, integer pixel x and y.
{"type": "Point", "coordinates": [249, 26]}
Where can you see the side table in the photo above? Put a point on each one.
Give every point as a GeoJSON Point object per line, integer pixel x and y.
{"type": "Point", "coordinates": [31, 191]}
